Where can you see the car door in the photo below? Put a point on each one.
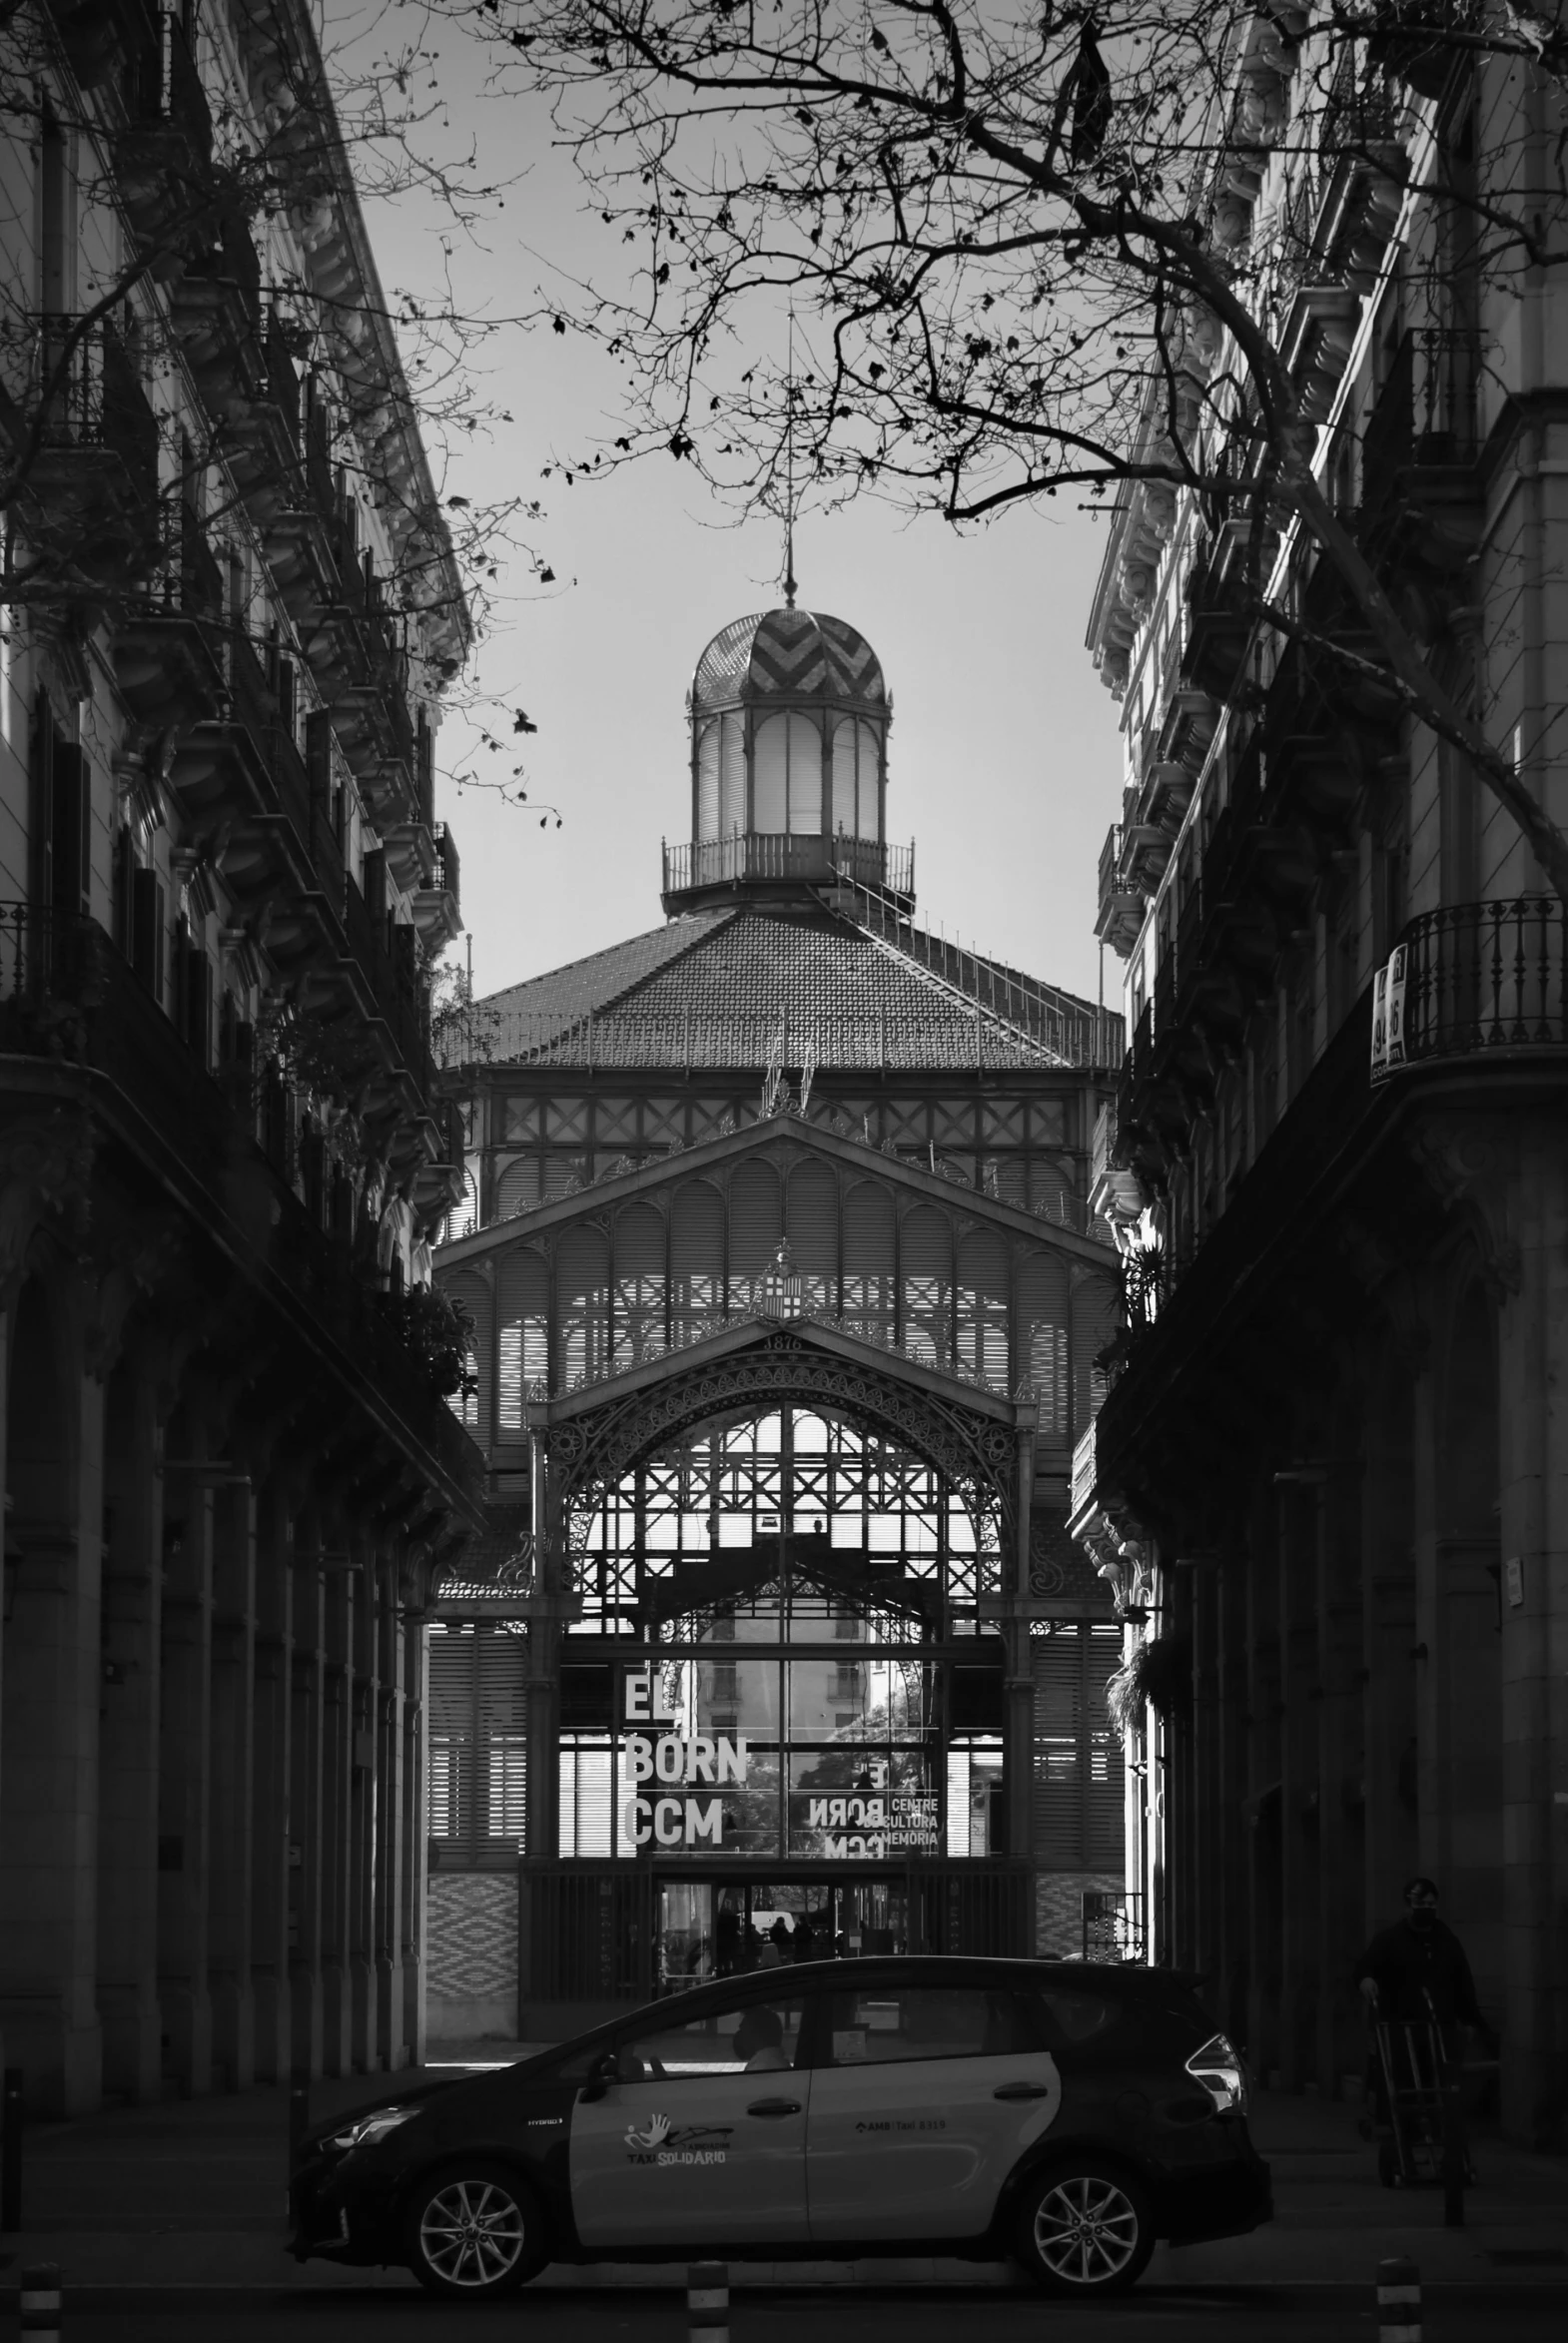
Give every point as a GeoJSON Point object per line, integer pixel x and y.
{"type": "Point", "coordinates": [928, 2096]}
{"type": "Point", "coordinates": [701, 2139]}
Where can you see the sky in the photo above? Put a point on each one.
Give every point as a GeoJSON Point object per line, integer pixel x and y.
{"type": "Point", "coordinates": [1005, 763]}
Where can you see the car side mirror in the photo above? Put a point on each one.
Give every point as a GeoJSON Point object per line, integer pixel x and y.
{"type": "Point", "coordinates": [602, 2074]}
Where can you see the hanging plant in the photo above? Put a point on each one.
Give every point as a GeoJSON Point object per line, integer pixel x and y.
{"type": "Point", "coordinates": [1158, 1675]}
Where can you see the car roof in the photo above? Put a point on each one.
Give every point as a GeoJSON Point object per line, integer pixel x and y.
{"type": "Point", "coordinates": [879, 1970]}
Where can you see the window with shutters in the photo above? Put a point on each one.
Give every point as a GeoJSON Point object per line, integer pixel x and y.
{"type": "Point", "coordinates": [1078, 1781]}
{"type": "Point", "coordinates": [981, 1311]}
{"type": "Point", "coordinates": [465, 1216]}
{"type": "Point", "coordinates": [926, 1246]}
{"type": "Point", "coordinates": [582, 1307]}
{"type": "Point", "coordinates": [638, 1299]}
{"type": "Point", "coordinates": [812, 1227]}
{"type": "Point", "coordinates": [754, 1230]}
{"type": "Point", "coordinates": [1042, 1338]}
{"type": "Point", "coordinates": [477, 1742]}
{"type": "Point", "coordinates": [696, 1257]}
{"type": "Point", "coordinates": [870, 1262]}
{"type": "Point", "coordinates": [1093, 1322]}
{"type": "Point", "coordinates": [708, 780]}
{"type": "Point", "coordinates": [732, 774]}
{"type": "Point", "coordinates": [523, 1283]}
{"type": "Point", "coordinates": [519, 1187]}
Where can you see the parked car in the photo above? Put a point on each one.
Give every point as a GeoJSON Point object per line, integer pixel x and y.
{"type": "Point", "coordinates": [1065, 2113]}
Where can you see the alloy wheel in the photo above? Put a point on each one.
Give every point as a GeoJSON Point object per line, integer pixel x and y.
{"type": "Point", "coordinates": [472, 2233]}
{"type": "Point", "coordinates": [1085, 2231]}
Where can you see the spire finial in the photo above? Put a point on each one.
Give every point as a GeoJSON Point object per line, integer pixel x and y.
{"type": "Point", "coordinates": [789, 472]}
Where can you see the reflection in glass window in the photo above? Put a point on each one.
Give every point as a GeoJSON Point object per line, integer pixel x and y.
{"type": "Point", "coordinates": [753, 2038]}
{"type": "Point", "coordinates": [889, 2024]}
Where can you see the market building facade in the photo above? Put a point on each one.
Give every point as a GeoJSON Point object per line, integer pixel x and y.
{"type": "Point", "coordinates": [787, 1304]}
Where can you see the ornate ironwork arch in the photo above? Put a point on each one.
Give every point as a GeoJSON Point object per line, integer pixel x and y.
{"type": "Point", "coordinates": [963, 1443]}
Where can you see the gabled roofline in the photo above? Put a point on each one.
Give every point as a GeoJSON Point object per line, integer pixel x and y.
{"type": "Point", "coordinates": [809, 1333]}
{"type": "Point", "coordinates": [758, 1137]}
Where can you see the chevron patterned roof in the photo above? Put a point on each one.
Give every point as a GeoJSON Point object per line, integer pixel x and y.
{"type": "Point", "coordinates": [798, 654]}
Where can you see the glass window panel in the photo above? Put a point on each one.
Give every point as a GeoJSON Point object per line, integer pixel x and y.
{"type": "Point", "coordinates": [617, 1123]}
{"type": "Point", "coordinates": [567, 1119]}
{"type": "Point", "coordinates": [752, 2037]}
{"type": "Point", "coordinates": [585, 1795]}
{"type": "Point", "coordinates": [921, 2021]}
{"type": "Point", "coordinates": [524, 1118]}
{"type": "Point", "coordinates": [1048, 1122]}
{"type": "Point", "coordinates": [730, 1818]}
{"type": "Point", "coordinates": [1003, 1121]}
{"type": "Point", "coordinates": [770, 776]}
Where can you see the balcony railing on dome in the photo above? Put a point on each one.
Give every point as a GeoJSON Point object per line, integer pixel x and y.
{"type": "Point", "coordinates": [758, 856]}
{"type": "Point", "coordinates": [1474, 978]}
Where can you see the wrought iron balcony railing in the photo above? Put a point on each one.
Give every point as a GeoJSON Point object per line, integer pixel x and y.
{"type": "Point", "coordinates": [1474, 978]}
{"type": "Point", "coordinates": [753, 855]}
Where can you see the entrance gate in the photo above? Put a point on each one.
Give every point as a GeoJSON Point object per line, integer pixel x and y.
{"type": "Point", "coordinates": [608, 1933]}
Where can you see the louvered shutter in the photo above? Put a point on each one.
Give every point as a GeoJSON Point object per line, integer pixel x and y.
{"type": "Point", "coordinates": [1058, 1767]}
{"type": "Point", "coordinates": [519, 1187]}
{"type": "Point", "coordinates": [770, 776]}
{"type": "Point", "coordinates": [697, 1255]}
{"type": "Point", "coordinates": [449, 1751]}
{"type": "Point", "coordinates": [869, 1258]}
{"type": "Point", "coordinates": [805, 776]}
{"type": "Point", "coordinates": [708, 780]}
{"type": "Point", "coordinates": [926, 1261]}
{"type": "Point", "coordinates": [813, 1230]}
{"type": "Point", "coordinates": [502, 1732]}
{"type": "Point", "coordinates": [524, 1345]}
{"type": "Point", "coordinates": [472, 1404]}
{"type": "Point", "coordinates": [1042, 1334]}
{"type": "Point", "coordinates": [1094, 1319]}
{"type": "Point", "coordinates": [753, 1230]}
{"type": "Point", "coordinates": [983, 1305]}
{"type": "Point", "coordinates": [1078, 1764]}
{"type": "Point", "coordinates": [639, 1298]}
{"type": "Point", "coordinates": [1104, 1821]}
{"type": "Point", "coordinates": [732, 774]}
{"type": "Point", "coordinates": [581, 1306]}
{"type": "Point", "coordinates": [1051, 1195]}
{"type": "Point", "coordinates": [463, 1217]}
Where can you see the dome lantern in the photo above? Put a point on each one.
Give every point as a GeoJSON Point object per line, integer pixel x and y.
{"type": "Point", "coordinates": [789, 730]}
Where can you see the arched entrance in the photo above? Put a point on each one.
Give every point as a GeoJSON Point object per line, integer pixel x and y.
{"type": "Point", "coordinates": [781, 1711]}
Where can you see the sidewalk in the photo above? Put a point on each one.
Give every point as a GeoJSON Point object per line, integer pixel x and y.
{"type": "Point", "coordinates": [191, 2194]}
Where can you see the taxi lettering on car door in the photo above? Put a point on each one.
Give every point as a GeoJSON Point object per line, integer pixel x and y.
{"type": "Point", "coordinates": [928, 2098]}
{"type": "Point", "coordinates": [699, 2132]}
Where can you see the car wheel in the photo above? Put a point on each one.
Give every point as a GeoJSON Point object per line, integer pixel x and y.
{"type": "Point", "coordinates": [1085, 2228]}
{"type": "Point", "coordinates": [474, 2230]}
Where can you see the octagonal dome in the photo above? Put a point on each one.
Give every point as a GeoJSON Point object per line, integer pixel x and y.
{"type": "Point", "coordinates": [792, 654]}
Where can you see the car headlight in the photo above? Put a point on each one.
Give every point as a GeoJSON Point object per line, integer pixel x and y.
{"type": "Point", "coordinates": [1220, 2069]}
{"type": "Point", "coordinates": [366, 2129]}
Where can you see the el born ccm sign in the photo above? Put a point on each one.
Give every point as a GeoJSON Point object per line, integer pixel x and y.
{"type": "Point", "coordinates": [713, 1760]}
{"type": "Point", "coordinates": [666, 1820]}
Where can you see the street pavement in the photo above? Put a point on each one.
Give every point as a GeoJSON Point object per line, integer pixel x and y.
{"type": "Point", "coordinates": [169, 2220]}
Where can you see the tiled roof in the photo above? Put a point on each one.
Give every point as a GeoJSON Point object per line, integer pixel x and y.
{"type": "Point", "coordinates": [591, 984]}
{"type": "Point", "coordinates": [734, 988]}
{"type": "Point", "coordinates": [798, 653]}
